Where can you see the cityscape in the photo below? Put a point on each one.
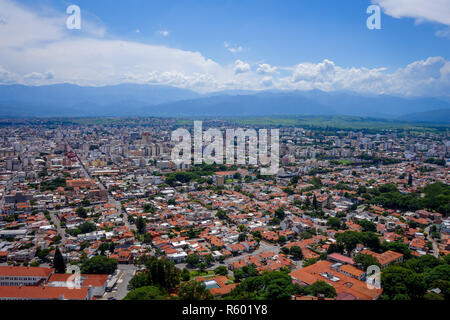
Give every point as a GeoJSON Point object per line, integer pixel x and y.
{"type": "Point", "coordinates": [105, 197]}
{"type": "Point", "coordinates": [231, 152]}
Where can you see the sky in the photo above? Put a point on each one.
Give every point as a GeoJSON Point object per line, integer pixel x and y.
{"type": "Point", "coordinates": [214, 45]}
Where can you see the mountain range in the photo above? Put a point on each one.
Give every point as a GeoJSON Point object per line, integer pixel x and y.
{"type": "Point", "coordinates": [67, 100]}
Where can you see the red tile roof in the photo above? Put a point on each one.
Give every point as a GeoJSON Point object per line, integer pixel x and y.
{"type": "Point", "coordinates": [42, 293]}
{"type": "Point", "coordinates": [10, 271]}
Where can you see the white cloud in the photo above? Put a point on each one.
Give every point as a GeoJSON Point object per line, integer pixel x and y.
{"type": "Point", "coordinates": [443, 33]}
{"type": "Point", "coordinates": [266, 69]}
{"type": "Point", "coordinates": [241, 67]}
{"type": "Point", "coordinates": [37, 49]}
{"type": "Point", "coordinates": [6, 77]}
{"type": "Point", "coordinates": [233, 49]}
{"type": "Point", "coordinates": [164, 33]}
{"type": "Point", "coordinates": [421, 10]}
{"type": "Point", "coordinates": [267, 82]}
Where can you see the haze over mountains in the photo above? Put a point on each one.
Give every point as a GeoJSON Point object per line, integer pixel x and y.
{"type": "Point", "coordinates": [66, 100]}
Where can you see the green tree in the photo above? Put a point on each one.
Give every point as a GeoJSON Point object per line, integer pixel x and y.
{"type": "Point", "coordinates": [410, 180]}
{"type": "Point", "coordinates": [280, 214]}
{"type": "Point", "coordinates": [309, 262]}
{"type": "Point", "coordinates": [296, 252]}
{"type": "Point", "coordinates": [315, 204]}
{"type": "Point", "coordinates": [99, 265]}
{"type": "Point", "coordinates": [400, 283]}
{"type": "Point", "coordinates": [334, 223]}
{"type": "Point", "coordinates": [423, 263]}
{"type": "Point", "coordinates": [271, 285]}
{"type": "Point", "coordinates": [81, 212]}
{"type": "Point", "coordinates": [58, 262]}
{"type": "Point", "coordinates": [321, 287]}
{"type": "Point", "coordinates": [366, 261]}
{"type": "Point", "coordinates": [221, 271]}
{"type": "Point", "coordinates": [209, 259]}
{"type": "Point", "coordinates": [159, 272]}
{"type": "Point", "coordinates": [194, 290]}
{"type": "Point", "coordinates": [282, 239]}
{"type": "Point", "coordinates": [440, 272]}
{"type": "Point", "coordinates": [368, 225]}
{"type": "Point", "coordinates": [140, 225]}
{"type": "Point", "coordinates": [87, 227]}
{"type": "Point", "coordinates": [185, 275]}
{"type": "Point", "coordinates": [336, 247]}
{"type": "Point", "coordinates": [193, 260]}
{"type": "Point", "coordinates": [147, 293]}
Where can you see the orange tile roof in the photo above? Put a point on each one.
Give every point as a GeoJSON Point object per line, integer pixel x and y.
{"type": "Point", "coordinates": [345, 284]}
{"type": "Point", "coordinates": [42, 293]}
{"type": "Point", "coordinates": [10, 271]}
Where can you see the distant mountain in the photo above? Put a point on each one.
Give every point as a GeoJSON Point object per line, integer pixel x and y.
{"type": "Point", "coordinates": [314, 102]}
{"type": "Point", "coordinates": [73, 100]}
{"type": "Point", "coordinates": [66, 100]}
{"type": "Point", "coordinates": [433, 116]}
{"type": "Point", "coordinates": [244, 105]}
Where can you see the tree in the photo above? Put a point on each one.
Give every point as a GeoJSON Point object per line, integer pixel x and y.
{"type": "Point", "coordinates": [400, 283]}
{"type": "Point", "coordinates": [334, 223]}
{"type": "Point", "coordinates": [294, 180]}
{"type": "Point", "coordinates": [351, 238]}
{"type": "Point", "coordinates": [194, 290]}
{"type": "Point", "coordinates": [221, 214]}
{"type": "Point", "coordinates": [321, 287]}
{"type": "Point", "coordinates": [282, 239]}
{"type": "Point", "coordinates": [221, 271]}
{"type": "Point", "coordinates": [193, 260]}
{"type": "Point", "coordinates": [147, 293]}
{"type": "Point", "coordinates": [271, 285]}
{"type": "Point", "coordinates": [242, 237]}
{"type": "Point", "coordinates": [185, 275]}
{"type": "Point", "coordinates": [99, 265]}
{"type": "Point", "coordinates": [441, 272]}
{"type": "Point", "coordinates": [296, 252]}
{"type": "Point", "coordinates": [315, 205]}
{"type": "Point", "coordinates": [209, 259]}
{"type": "Point", "coordinates": [159, 272]}
{"type": "Point", "coordinates": [279, 213]}
{"type": "Point", "coordinates": [423, 263]}
{"type": "Point", "coordinates": [202, 266]}
{"type": "Point", "coordinates": [140, 225]}
{"type": "Point", "coordinates": [81, 212]}
{"type": "Point", "coordinates": [368, 225]}
{"type": "Point", "coordinates": [336, 247]}
{"type": "Point", "coordinates": [87, 227]}
{"type": "Point", "coordinates": [410, 180]}
{"type": "Point", "coordinates": [397, 247]}
{"type": "Point", "coordinates": [58, 262]}
{"type": "Point", "coordinates": [366, 261]}
{"type": "Point", "coordinates": [309, 262]}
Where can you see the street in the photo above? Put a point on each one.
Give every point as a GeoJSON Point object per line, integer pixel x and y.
{"type": "Point", "coordinates": [125, 273]}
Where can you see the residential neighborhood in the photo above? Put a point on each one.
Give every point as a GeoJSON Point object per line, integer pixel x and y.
{"type": "Point", "coordinates": [101, 202]}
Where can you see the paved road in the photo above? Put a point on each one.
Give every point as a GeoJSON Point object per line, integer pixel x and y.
{"type": "Point", "coordinates": [435, 246]}
{"type": "Point", "coordinates": [263, 247]}
{"type": "Point", "coordinates": [125, 274]}
{"type": "Point", "coordinates": [57, 223]}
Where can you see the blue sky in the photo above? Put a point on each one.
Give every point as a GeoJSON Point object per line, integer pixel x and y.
{"type": "Point", "coordinates": [303, 43]}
